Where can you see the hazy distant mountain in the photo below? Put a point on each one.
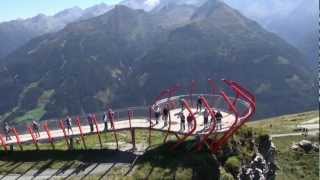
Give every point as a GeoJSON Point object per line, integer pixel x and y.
{"type": "Point", "coordinates": [296, 21]}
{"type": "Point", "coordinates": [126, 57]}
{"type": "Point", "coordinates": [16, 33]}
{"type": "Point", "coordinates": [149, 5]}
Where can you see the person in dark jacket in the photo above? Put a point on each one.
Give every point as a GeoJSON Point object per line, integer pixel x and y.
{"type": "Point", "coordinates": [7, 130]}
{"type": "Point", "coordinates": [157, 113]}
{"type": "Point", "coordinates": [165, 114]}
{"type": "Point", "coordinates": [199, 104]}
{"type": "Point", "coordinates": [219, 117]}
{"type": "Point", "coordinates": [68, 123]}
{"type": "Point", "coordinates": [189, 120]}
{"type": "Point", "coordinates": [36, 127]}
{"type": "Point", "coordinates": [181, 104]}
{"type": "Point", "coordinates": [90, 121]}
{"type": "Point", "coordinates": [182, 120]}
{"type": "Point", "coordinates": [105, 121]}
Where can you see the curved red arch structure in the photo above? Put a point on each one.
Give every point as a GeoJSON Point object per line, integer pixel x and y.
{"type": "Point", "coordinates": [239, 109]}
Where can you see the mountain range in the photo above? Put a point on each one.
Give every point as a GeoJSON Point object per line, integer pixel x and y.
{"type": "Point", "coordinates": [125, 57]}
{"type": "Point", "coordinates": [14, 34]}
{"type": "Point", "coordinates": [296, 21]}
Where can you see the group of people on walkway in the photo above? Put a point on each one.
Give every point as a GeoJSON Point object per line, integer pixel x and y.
{"type": "Point", "coordinates": [165, 114]}
{"type": "Point", "coordinates": [7, 129]}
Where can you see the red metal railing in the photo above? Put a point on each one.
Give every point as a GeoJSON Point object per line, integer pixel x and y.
{"type": "Point", "coordinates": [187, 106]}
{"type": "Point", "coordinates": [242, 96]}
{"type": "Point", "coordinates": [34, 139]}
{"type": "Point", "coordinates": [66, 137]}
{"type": "Point", "coordinates": [213, 125]}
{"type": "Point", "coordinates": [15, 132]}
{"type": "Point", "coordinates": [81, 132]}
{"type": "Point", "coordinates": [3, 143]}
{"type": "Point", "coordinates": [94, 119]}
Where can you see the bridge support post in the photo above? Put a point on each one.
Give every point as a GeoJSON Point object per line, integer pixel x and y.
{"type": "Point", "coordinates": [98, 131]}
{"type": "Point", "coordinates": [18, 138]}
{"type": "Point", "coordinates": [81, 132]}
{"type": "Point", "coordinates": [133, 138]}
{"type": "Point", "coordinates": [34, 139]}
{"type": "Point", "coordinates": [3, 143]}
{"type": "Point", "coordinates": [64, 133]}
{"type": "Point", "coordinates": [46, 128]}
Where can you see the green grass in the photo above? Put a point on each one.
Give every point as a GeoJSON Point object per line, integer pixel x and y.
{"type": "Point", "coordinates": [39, 111]}
{"type": "Point", "coordinates": [283, 124]}
{"type": "Point", "coordinates": [295, 165]}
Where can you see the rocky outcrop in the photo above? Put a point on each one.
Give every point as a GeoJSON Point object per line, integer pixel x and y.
{"type": "Point", "coordinates": [262, 166]}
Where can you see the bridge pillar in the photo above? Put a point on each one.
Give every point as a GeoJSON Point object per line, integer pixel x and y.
{"type": "Point", "coordinates": [133, 138]}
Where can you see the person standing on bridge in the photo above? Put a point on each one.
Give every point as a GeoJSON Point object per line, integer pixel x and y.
{"type": "Point", "coordinates": [182, 104]}
{"type": "Point", "coordinates": [7, 130]}
{"type": "Point", "coordinates": [36, 127]}
{"type": "Point", "coordinates": [182, 121]}
{"type": "Point", "coordinates": [111, 116]}
{"type": "Point", "coordinates": [205, 118]}
{"type": "Point", "coordinates": [189, 120]}
{"type": "Point", "coordinates": [68, 123]}
{"type": "Point", "coordinates": [105, 121]}
{"type": "Point", "coordinates": [165, 115]}
{"type": "Point", "coordinates": [157, 114]}
{"type": "Point", "coordinates": [90, 121]}
{"type": "Point", "coordinates": [218, 117]}
{"type": "Point", "coordinates": [199, 104]}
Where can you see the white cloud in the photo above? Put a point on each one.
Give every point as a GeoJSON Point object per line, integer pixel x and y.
{"type": "Point", "coordinates": [152, 3]}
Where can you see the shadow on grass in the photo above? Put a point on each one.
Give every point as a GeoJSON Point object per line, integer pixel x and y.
{"type": "Point", "coordinates": [203, 164]}
{"type": "Point", "coordinates": [85, 156]}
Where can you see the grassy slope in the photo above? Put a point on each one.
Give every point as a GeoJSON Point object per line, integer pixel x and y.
{"type": "Point", "coordinates": [293, 165]}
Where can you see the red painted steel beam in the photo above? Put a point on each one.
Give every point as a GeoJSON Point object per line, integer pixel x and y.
{"type": "Point", "coordinates": [81, 132]}
{"type": "Point", "coordinates": [227, 134]}
{"type": "Point", "coordinates": [64, 132]}
{"type": "Point", "coordinates": [97, 129]}
{"type": "Point", "coordinates": [111, 115]}
{"type": "Point", "coordinates": [187, 106]}
{"type": "Point", "coordinates": [249, 98]}
{"type": "Point", "coordinates": [3, 143]}
{"type": "Point", "coordinates": [16, 134]}
{"type": "Point", "coordinates": [34, 139]}
{"type": "Point", "coordinates": [213, 125]}
{"type": "Point", "coordinates": [46, 128]}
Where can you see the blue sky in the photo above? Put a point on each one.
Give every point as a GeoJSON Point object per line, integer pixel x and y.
{"type": "Point", "coordinates": [13, 9]}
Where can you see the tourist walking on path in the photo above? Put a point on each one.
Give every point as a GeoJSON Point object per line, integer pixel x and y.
{"type": "Point", "coordinates": [157, 114]}
{"type": "Point", "coordinates": [36, 127]}
{"type": "Point", "coordinates": [90, 121]}
{"type": "Point", "coordinates": [199, 104]}
{"type": "Point", "coordinates": [7, 130]}
{"type": "Point", "coordinates": [68, 123]}
{"type": "Point", "coordinates": [165, 114]}
{"type": "Point", "coordinates": [105, 121]}
{"type": "Point", "coordinates": [218, 117]}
